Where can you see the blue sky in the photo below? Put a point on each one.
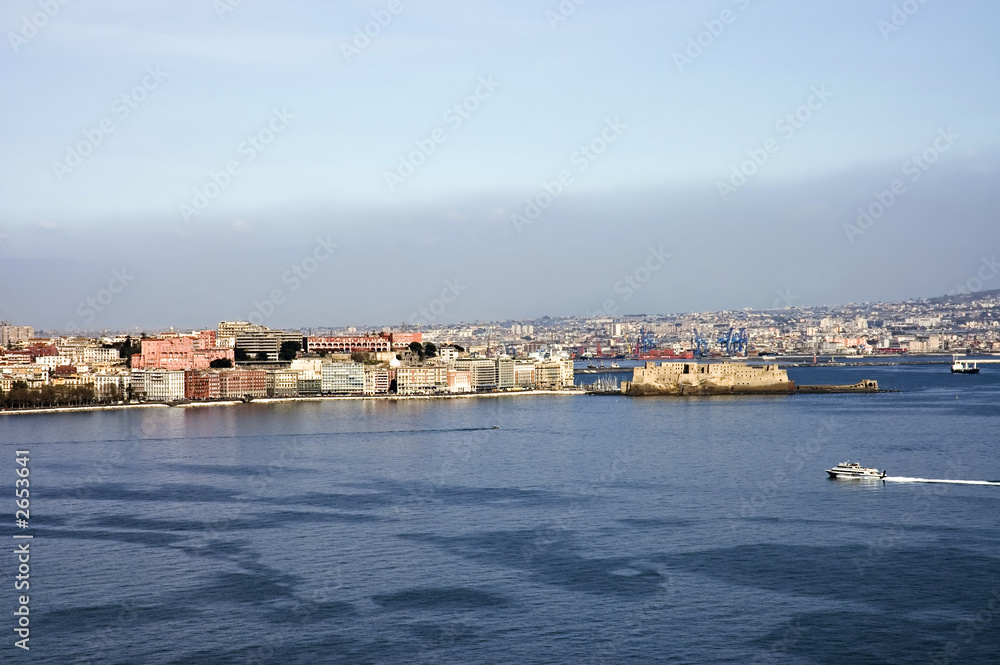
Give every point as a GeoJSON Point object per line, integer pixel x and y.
{"type": "Point", "coordinates": [554, 86]}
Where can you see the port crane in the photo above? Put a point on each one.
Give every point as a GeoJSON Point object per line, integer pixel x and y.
{"type": "Point", "coordinates": [645, 342]}
{"type": "Point", "coordinates": [734, 343]}
{"type": "Point", "coordinates": [698, 344]}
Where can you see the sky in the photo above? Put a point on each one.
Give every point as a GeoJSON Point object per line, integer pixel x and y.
{"type": "Point", "coordinates": [314, 164]}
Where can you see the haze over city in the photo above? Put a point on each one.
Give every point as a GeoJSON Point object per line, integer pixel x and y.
{"type": "Point", "coordinates": [650, 111]}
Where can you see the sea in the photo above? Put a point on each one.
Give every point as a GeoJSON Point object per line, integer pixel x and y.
{"type": "Point", "coordinates": [585, 530]}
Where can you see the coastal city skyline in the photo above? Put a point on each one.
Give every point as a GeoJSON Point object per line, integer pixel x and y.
{"type": "Point", "coordinates": [965, 319]}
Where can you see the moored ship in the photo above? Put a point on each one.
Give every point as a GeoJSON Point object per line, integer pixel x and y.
{"type": "Point", "coordinates": [964, 366]}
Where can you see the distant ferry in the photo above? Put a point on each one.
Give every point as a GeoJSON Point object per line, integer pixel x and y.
{"type": "Point", "coordinates": [854, 470]}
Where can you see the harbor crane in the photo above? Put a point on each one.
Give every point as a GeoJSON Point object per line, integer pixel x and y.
{"type": "Point", "coordinates": [645, 342]}
{"type": "Point", "coordinates": [698, 344]}
{"type": "Point", "coordinates": [734, 343]}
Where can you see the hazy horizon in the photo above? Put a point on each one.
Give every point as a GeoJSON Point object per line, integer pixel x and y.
{"type": "Point", "coordinates": [670, 122]}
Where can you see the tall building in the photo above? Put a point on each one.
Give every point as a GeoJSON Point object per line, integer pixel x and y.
{"type": "Point", "coordinates": [505, 373]}
{"type": "Point", "coordinates": [12, 334]}
{"type": "Point", "coordinates": [228, 330]}
{"type": "Point", "coordinates": [483, 372]}
{"type": "Point", "coordinates": [265, 341]}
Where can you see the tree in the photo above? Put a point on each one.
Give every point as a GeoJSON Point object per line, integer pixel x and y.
{"type": "Point", "coordinates": [221, 363]}
{"type": "Point", "coordinates": [262, 355]}
{"type": "Point", "coordinates": [289, 350]}
{"type": "Point", "coordinates": [417, 348]}
{"type": "Point", "coordinates": [241, 354]}
{"type": "Point", "coordinates": [430, 350]}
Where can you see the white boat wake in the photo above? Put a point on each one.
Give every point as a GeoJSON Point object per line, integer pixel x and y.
{"type": "Point", "coordinates": [903, 479]}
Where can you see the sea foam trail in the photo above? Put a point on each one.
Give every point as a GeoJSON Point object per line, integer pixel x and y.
{"type": "Point", "coordinates": [902, 479]}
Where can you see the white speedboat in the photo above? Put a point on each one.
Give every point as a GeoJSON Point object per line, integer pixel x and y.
{"type": "Point", "coordinates": [854, 470]}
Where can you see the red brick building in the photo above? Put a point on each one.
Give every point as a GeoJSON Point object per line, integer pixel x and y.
{"type": "Point", "coordinates": [201, 384]}
{"type": "Point", "coordinates": [402, 340]}
{"type": "Point", "coordinates": [239, 383]}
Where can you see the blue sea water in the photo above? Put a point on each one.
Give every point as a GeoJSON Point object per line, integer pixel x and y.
{"type": "Point", "coordinates": [585, 530]}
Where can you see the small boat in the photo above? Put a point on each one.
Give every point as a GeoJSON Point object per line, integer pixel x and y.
{"type": "Point", "coordinates": [496, 427]}
{"type": "Point", "coordinates": [854, 470]}
{"type": "Point", "coordinates": [963, 366]}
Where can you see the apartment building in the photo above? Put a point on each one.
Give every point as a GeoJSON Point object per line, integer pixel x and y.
{"type": "Point", "coordinates": [240, 383]}
{"type": "Point", "coordinates": [344, 378]}
{"type": "Point", "coordinates": [158, 385]}
{"type": "Point", "coordinates": [483, 372]}
{"type": "Point", "coordinates": [282, 383]}
{"type": "Point", "coordinates": [421, 380]}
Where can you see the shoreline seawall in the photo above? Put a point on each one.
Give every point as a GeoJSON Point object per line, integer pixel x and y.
{"type": "Point", "coordinates": [275, 400]}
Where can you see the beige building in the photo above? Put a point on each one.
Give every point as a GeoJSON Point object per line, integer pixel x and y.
{"type": "Point", "coordinates": [691, 378]}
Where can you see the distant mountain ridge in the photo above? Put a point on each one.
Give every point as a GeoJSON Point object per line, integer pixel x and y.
{"type": "Point", "coordinates": [964, 297]}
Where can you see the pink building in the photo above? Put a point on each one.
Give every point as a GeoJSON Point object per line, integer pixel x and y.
{"type": "Point", "coordinates": [179, 353]}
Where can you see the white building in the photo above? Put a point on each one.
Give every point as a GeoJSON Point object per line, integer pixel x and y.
{"type": "Point", "coordinates": [348, 378]}
{"type": "Point", "coordinates": [103, 382]}
{"type": "Point", "coordinates": [53, 361]}
{"type": "Point", "coordinates": [158, 385]}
